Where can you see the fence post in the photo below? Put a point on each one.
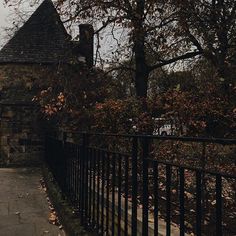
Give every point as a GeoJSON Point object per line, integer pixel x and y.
{"type": "Point", "coordinates": [84, 181]}
{"type": "Point", "coordinates": [64, 161]}
{"type": "Point", "coordinates": [145, 150]}
{"type": "Point", "coordinates": [64, 137]}
{"type": "Point", "coordinates": [86, 153]}
{"type": "Point", "coordinates": [134, 185]}
{"type": "Point", "coordinates": [46, 149]}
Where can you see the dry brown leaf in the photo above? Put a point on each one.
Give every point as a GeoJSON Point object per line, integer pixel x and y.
{"type": "Point", "coordinates": [52, 218]}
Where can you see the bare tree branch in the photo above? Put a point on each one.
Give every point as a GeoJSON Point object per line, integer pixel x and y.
{"type": "Point", "coordinates": [175, 59]}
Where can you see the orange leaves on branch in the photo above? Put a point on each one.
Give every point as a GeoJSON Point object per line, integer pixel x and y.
{"type": "Point", "coordinates": [50, 105]}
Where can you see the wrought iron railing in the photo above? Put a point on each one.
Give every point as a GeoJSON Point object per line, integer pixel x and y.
{"type": "Point", "coordinates": [147, 185]}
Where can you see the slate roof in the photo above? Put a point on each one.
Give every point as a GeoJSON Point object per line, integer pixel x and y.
{"type": "Point", "coordinates": [42, 39]}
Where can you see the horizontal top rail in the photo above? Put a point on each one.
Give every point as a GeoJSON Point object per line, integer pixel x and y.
{"type": "Point", "coordinates": [186, 167]}
{"type": "Point", "coordinates": [223, 141]}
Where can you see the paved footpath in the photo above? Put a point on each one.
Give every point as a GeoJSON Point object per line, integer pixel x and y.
{"type": "Point", "coordinates": [23, 205]}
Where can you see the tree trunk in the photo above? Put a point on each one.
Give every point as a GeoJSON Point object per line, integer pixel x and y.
{"type": "Point", "coordinates": [141, 79]}
{"type": "Point", "coordinates": [142, 73]}
{"type": "Point", "coordinates": [227, 84]}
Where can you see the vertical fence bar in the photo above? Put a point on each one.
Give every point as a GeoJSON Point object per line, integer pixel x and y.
{"type": "Point", "coordinates": [80, 175]}
{"type": "Point", "coordinates": [155, 192]}
{"type": "Point", "coordinates": [57, 161]}
{"type": "Point", "coordinates": [181, 200]}
{"type": "Point", "coordinates": [46, 149]}
{"type": "Point", "coordinates": [119, 195]}
{"type": "Point", "coordinates": [145, 144]}
{"type": "Point", "coordinates": [113, 194]}
{"type": "Point", "coordinates": [77, 175]}
{"type": "Point", "coordinates": [89, 186]}
{"type": "Point", "coordinates": [82, 183]}
{"type": "Point", "coordinates": [94, 186]}
{"type": "Point", "coordinates": [98, 190]}
{"type": "Point", "coordinates": [64, 161]}
{"type": "Point", "coordinates": [103, 192]}
{"type": "Point", "coordinates": [72, 173]}
{"type": "Point", "coordinates": [219, 205]}
{"type": "Point", "coordinates": [107, 193]}
{"type": "Point", "coordinates": [70, 169]}
{"type": "Point", "coordinates": [86, 144]}
{"type": "Point", "coordinates": [126, 194]}
{"type": "Point", "coordinates": [68, 164]}
{"type": "Point", "coordinates": [134, 185]}
{"type": "Point", "coordinates": [198, 203]}
{"type": "Point", "coordinates": [168, 199]}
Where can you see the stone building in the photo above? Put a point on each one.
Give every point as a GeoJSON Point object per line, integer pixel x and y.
{"type": "Point", "coordinates": [28, 61]}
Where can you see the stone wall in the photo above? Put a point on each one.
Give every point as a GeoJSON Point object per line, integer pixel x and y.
{"type": "Point", "coordinates": [20, 135]}
{"type": "Point", "coordinates": [21, 139]}
{"type": "Point", "coordinates": [23, 82]}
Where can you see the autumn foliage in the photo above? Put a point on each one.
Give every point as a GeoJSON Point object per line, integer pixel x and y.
{"type": "Point", "coordinates": [92, 105]}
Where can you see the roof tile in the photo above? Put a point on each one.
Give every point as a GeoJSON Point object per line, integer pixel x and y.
{"type": "Point", "coordinates": [42, 39]}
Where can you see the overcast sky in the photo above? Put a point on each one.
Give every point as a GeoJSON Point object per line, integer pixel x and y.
{"type": "Point", "coordinates": [7, 17]}
{"type": "Point", "coordinates": [5, 21]}
{"type": "Point", "coordinates": [4, 12]}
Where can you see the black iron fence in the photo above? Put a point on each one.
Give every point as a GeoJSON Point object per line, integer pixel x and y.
{"type": "Point", "coordinates": [147, 185]}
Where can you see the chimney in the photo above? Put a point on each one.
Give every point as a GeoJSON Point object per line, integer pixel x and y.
{"type": "Point", "coordinates": [86, 42]}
